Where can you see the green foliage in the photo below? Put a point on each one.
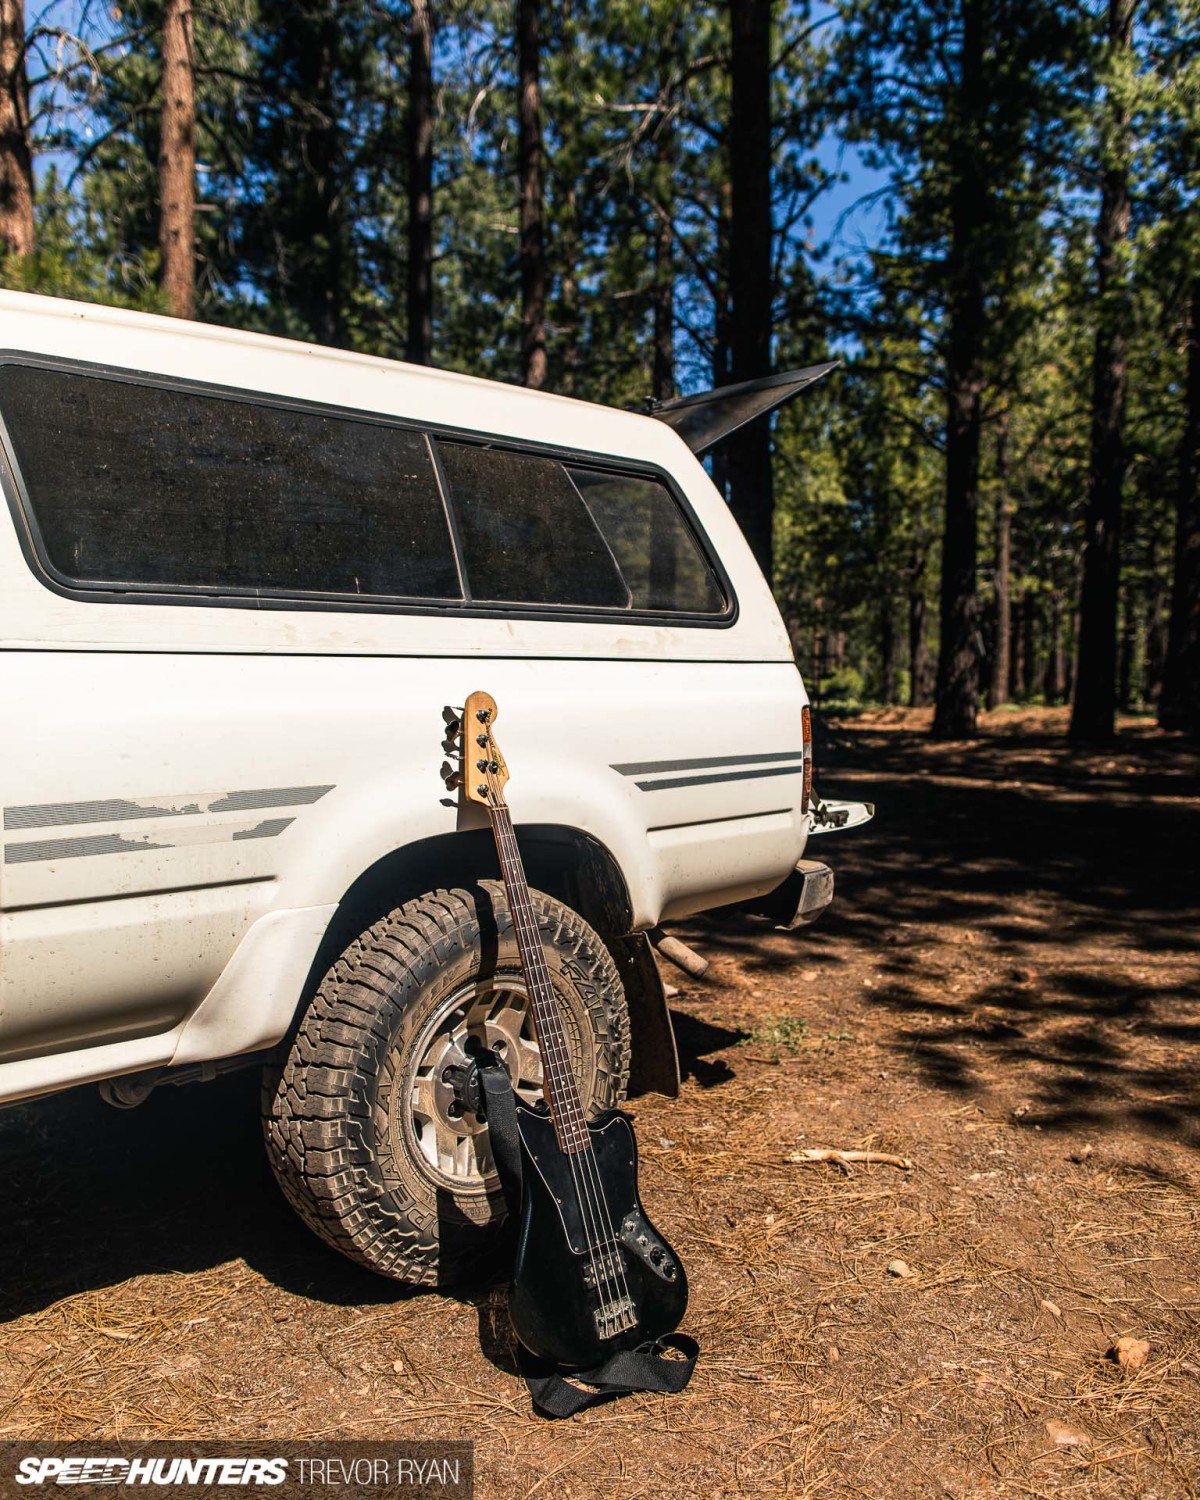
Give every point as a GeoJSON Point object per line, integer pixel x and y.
{"type": "Point", "coordinates": [302, 206]}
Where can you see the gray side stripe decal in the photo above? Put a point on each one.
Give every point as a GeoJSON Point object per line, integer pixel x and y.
{"type": "Point", "coordinates": [642, 767]}
{"type": "Point", "coordinates": [662, 786]}
{"type": "Point", "coordinates": [269, 828]}
{"type": "Point", "coordinates": [96, 843]}
{"type": "Point", "coordinates": [34, 850]}
{"type": "Point", "coordinates": [127, 809]}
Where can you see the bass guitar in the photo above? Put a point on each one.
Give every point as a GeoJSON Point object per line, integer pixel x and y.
{"type": "Point", "coordinates": [592, 1276]}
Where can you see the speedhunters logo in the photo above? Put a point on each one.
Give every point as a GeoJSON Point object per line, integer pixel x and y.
{"type": "Point", "coordinates": [99, 1470]}
{"type": "Point", "coordinates": [416, 1471]}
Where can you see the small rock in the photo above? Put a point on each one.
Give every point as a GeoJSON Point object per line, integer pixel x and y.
{"type": "Point", "coordinates": [900, 1268]}
{"type": "Point", "coordinates": [666, 1142]}
{"type": "Point", "coordinates": [1052, 1308]}
{"type": "Point", "coordinates": [833, 1354]}
{"type": "Point", "coordinates": [398, 1366]}
{"type": "Point", "coordinates": [1064, 1436]}
{"type": "Point", "coordinates": [1130, 1353]}
{"type": "Point", "coordinates": [282, 1314]}
{"type": "Point", "coordinates": [1080, 1156]}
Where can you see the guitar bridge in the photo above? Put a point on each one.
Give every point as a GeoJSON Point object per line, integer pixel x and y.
{"type": "Point", "coordinates": [615, 1317]}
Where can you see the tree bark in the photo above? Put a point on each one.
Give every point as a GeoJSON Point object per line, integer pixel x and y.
{"type": "Point", "coordinates": [1179, 704]}
{"type": "Point", "coordinates": [530, 171]}
{"type": "Point", "coordinates": [957, 704]}
{"type": "Point", "coordinates": [1054, 681]}
{"type": "Point", "coordinates": [1003, 571]}
{"type": "Point", "coordinates": [663, 378]}
{"type": "Point", "coordinates": [324, 153]}
{"type": "Point", "coordinates": [177, 162]}
{"type": "Point", "coordinates": [1093, 716]}
{"type": "Point", "coordinates": [887, 648]}
{"type": "Point", "coordinates": [419, 288]}
{"type": "Point", "coordinates": [1028, 644]}
{"type": "Point", "coordinates": [722, 325]}
{"type": "Point", "coordinates": [16, 159]}
{"type": "Point", "coordinates": [1127, 650]}
{"type": "Point", "coordinates": [751, 497]}
{"type": "Point", "coordinates": [918, 656]}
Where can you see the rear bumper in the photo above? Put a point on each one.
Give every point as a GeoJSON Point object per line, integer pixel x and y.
{"type": "Point", "coordinates": [804, 895]}
{"type": "Point", "coordinates": [801, 898]}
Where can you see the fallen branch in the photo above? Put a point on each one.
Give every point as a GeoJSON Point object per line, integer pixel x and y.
{"type": "Point", "coordinates": [844, 1158]}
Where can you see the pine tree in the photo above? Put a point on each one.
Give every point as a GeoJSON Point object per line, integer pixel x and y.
{"type": "Point", "coordinates": [16, 161]}
{"type": "Point", "coordinates": [1093, 714]}
{"type": "Point", "coordinates": [177, 160]}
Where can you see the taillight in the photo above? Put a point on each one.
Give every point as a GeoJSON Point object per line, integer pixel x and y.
{"type": "Point", "coordinates": [806, 735]}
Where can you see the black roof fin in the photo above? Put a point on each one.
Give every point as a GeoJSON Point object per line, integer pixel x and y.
{"type": "Point", "coordinates": [705, 420]}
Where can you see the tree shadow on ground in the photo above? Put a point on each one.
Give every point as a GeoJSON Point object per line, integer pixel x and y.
{"type": "Point", "coordinates": [1047, 945]}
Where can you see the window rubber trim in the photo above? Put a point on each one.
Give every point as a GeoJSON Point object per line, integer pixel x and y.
{"type": "Point", "coordinates": [90, 592]}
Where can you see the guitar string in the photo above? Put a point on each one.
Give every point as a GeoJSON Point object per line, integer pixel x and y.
{"type": "Point", "coordinates": [595, 1198]}
{"type": "Point", "coordinates": [610, 1245]}
{"type": "Point", "coordinates": [495, 807]}
{"type": "Point", "coordinates": [558, 1067]}
{"type": "Point", "coordinates": [590, 1194]}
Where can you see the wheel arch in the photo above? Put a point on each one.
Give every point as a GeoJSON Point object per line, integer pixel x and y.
{"type": "Point", "coordinates": [565, 862]}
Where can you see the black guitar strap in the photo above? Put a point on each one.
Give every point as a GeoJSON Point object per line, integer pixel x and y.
{"type": "Point", "coordinates": [647, 1368]}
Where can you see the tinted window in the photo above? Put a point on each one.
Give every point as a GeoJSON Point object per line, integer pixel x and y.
{"type": "Point", "coordinates": [137, 484]}
{"type": "Point", "coordinates": [657, 553]}
{"type": "Point", "coordinates": [526, 534]}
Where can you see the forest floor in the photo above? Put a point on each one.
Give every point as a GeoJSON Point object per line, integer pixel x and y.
{"type": "Point", "coordinates": [1006, 991]}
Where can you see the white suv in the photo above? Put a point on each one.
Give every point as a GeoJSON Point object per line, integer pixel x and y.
{"type": "Point", "coordinates": [241, 583]}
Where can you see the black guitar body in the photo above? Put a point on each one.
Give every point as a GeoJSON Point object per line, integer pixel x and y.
{"type": "Point", "coordinates": [570, 1302]}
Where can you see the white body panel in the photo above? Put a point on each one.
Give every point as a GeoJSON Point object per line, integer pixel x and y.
{"type": "Point", "coordinates": [189, 790]}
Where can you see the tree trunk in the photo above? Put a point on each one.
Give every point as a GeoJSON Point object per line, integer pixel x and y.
{"type": "Point", "coordinates": [1014, 659]}
{"type": "Point", "coordinates": [1093, 716]}
{"type": "Point", "coordinates": [419, 332]}
{"type": "Point", "coordinates": [1028, 644]}
{"type": "Point", "coordinates": [958, 652]}
{"type": "Point", "coordinates": [887, 649]}
{"type": "Point", "coordinates": [1000, 662]}
{"type": "Point", "coordinates": [918, 656]}
{"type": "Point", "coordinates": [749, 451]}
{"type": "Point", "coordinates": [177, 162]}
{"type": "Point", "coordinates": [16, 161]}
{"type": "Point", "coordinates": [722, 327]}
{"type": "Point", "coordinates": [1127, 650]}
{"type": "Point", "coordinates": [1054, 681]}
{"type": "Point", "coordinates": [324, 150]}
{"type": "Point", "coordinates": [1179, 705]}
{"type": "Point", "coordinates": [530, 168]}
{"type": "Point", "coordinates": [663, 380]}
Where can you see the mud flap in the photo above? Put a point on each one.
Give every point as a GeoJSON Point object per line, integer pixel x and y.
{"type": "Point", "coordinates": [654, 1060]}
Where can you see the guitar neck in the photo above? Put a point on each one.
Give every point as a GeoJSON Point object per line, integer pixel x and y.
{"type": "Point", "coordinates": [562, 1091]}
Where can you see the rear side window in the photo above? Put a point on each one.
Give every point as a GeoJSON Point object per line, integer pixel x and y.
{"type": "Point", "coordinates": [659, 557]}
{"type": "Point", "coordinates": [527, 536]}
{"type": "Point", "coordinates": [137, 484]}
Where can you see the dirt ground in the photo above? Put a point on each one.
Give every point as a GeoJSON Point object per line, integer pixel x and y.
{"type": "Point", "coordinates": [1007, 992]}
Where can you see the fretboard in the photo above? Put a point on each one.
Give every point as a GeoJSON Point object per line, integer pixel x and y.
{"type": "Point", "coordinates": [562, 1091]}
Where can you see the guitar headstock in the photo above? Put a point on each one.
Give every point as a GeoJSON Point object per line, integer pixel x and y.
{"type": "Point", "coordinates": [483, 773]}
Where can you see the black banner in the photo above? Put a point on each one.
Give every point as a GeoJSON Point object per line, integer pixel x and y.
{"type": "Point", "coordinates": [338, 1470]}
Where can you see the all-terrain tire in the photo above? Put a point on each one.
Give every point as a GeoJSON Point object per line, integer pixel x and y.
{"type": "Point", "coordinates": [342, 1102]}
